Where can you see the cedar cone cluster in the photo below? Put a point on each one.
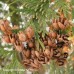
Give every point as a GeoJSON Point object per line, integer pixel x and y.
{"type": "Point", "coordinates": [55, 44]}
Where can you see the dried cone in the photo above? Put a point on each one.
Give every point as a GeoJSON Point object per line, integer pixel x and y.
{"type": "Point", "coordinates": [66, 49]}
{"type": "Point", "coordinates": [50, 43]}
{"type": "Point", "coordinates": [6, 38]}
{"type": "Point", "coordinates": [33, 53]}
{"type": "Point", "coordinates": [12, 38]}
{"type": "Point", "coordinates": [2, 28]}
{"type": "Point", "coordinates": [19, 46]}
{"type": "Point", "coordinates": [66, 23]}
{"type": "Point", "coordinates": [61, 62]}
{"type": "Point", "coordinates": [2, 25]}
{"type": "Point", "coordinates": [37, 54]}
{"type": "Point", "coordinates": [55, 25]}
{"type": "Point", "coordinates": [47, 52]}
{"type": "Point", "coordinates": [8, 29]}
{"type": "Point", "coordinates": [8, 32]}
{"type": "Point", "coordinates": [45, 42]}
{"type": "Point", "coordinates": [59, 38]}
{"type": "Point", "coordinates": [41, 59]}
{"type": "Point", "coordinates": [56, 53]}
{"type": "Point", "coordinates": [50, 34]}
{"type": "Point", "coordinates": [36, 62]}
{"type": "Point", "coordinates": [29, 32]}
{"type": "Point", "coordinates": [46, 60]}
{"type": "Point", "coordinates": [26, 61]}
{"type": "Point", "coordinates": [62, 15]}
{"type": "Point", "coordinates": [33, 65]}
{"type": "Point", "coordinates": [5, 27]}
{"type": "Point", "coordinates": [30, 44]}
{"type": "Point", "coordinates": [1, 22]}
{"type": "Point", "coordinates": [27, 53]}
{"type": "Point", "coordinates": [6, 22]}
{"type": "Point", "coordinates": [22, 36]}
{"type": "Point", "coordinates": [65, 55]}
{"type": "Point", "coordinates": [54, 45]}
{"type": "Point", "coordinates": [33, 59]}
{"type": "Point", "coordinates": [61, 26]}
{"type": "Point", "coordinates": [51, 53]}
{"type": "Point", "coordinates": [54, 35]}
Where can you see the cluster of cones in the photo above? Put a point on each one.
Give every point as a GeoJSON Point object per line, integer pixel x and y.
{"type": "Point", "coordinates": [56, 44]}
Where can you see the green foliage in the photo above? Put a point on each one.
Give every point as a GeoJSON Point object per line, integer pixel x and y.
{"type": "Point", "coordinates": [40, 12]}
{"type": "Point", "coordinates": [14, 67]}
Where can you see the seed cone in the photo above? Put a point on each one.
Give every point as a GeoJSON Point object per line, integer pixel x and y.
{"type": "Point", "coordinates": [47, 52]}
{"type": "Point", "coordinates": [6, 38]}
{"type": "Point", "coordinates": [30, 44]}
{"type": "Point", "coordinates": [55, 26]}
{"type": "Point", "coordinates": [27, 53]}
{"type": "Point", "coordinates": [37, 54]}
{"type": "Point", "coordinates": [54, 35]}
{"type": "Point", "coordinates": [18, 46]}
{"type": "Point", "coordinates": [53, 45]}
{"type": "Point", "coordinates": [29, 32]}
{"type": "Point", "coordinates": [2, 28]}
{"type": "Point", "coordinates": [50, 43]}
{"type": "Point", "coordinates": [61, 26]}
{"type": "Point", "coordinates": [12, 38]}
{"type": "Point", "coordinates": [45, 43]}
{"type": "Point", "coordinates": [22, 36]}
